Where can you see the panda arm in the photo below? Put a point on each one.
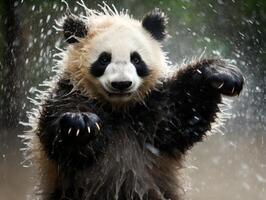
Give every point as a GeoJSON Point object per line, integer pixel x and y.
{"type": "Point", "coordinates": [194, 93]}
{"type": "Point", "coordinates": [68, 129]}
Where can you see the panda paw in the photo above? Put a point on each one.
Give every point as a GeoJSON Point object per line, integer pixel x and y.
{"type": "Point", "coordinates": [225, 78]}
{"type": "Point", "coordinates": [79, 126]}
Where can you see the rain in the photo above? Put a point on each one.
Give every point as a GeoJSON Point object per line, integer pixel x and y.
{"type": "Point", "coordinates": [229, 164]}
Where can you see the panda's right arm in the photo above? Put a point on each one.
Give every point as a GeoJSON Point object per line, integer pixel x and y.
{"type": "Point", "coordinates": [69, 130]}
{"type": "Point", "coordinates": [193, 94]}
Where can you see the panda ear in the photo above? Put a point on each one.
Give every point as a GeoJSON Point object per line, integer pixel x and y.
{"type": "Point", "coordinates": [155, 23]}
{"type": "Point", "coordinates": [74, 28]}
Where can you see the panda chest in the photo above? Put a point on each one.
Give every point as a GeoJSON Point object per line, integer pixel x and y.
{"type": "Point", "coordinates": [123, 168]}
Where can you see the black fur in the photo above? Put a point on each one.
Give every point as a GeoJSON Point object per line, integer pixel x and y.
{"type": "Point", "coordinates": [173, 118]}
{"type": "Point", "coordinates": [68, 148]}
{"type": "Point", "coordinates": [155, 23]}
{"type": "Point", "coordinates": [142, 69]}
{"type": "Point", "coordinates": [98, 67]}
{"type": "Point", "coordinates": [73, 28]}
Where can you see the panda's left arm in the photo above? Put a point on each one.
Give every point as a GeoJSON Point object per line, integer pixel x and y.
{"type": "Point", "coordinates": [193, 94]}
{"type": "Point", "coordinates": [69, 128]}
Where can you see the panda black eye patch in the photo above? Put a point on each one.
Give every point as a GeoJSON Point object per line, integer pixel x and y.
{"type": "Point", "coordinates": [141, 67]}
{"type": "Point", "coordinates": [98, 67]}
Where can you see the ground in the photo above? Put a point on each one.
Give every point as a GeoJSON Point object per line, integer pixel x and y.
{"type": "Point", "coordinates": [230, 166]}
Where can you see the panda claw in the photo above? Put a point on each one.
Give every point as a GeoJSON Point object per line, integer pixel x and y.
{"type": "Point", "coordinates": [77, 133]}
{"type": "Point", "coordinates": [221, 85]}
{"type": "Point", "coordinates": [233, 90]}
{"type": "Point", "coordinates": [78, 124]}
{"type": "Point", "coordinates": [97, 125]}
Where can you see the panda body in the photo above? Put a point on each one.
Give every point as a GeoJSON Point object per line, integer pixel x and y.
{"type": "Point", "coordinates": [116, 121]}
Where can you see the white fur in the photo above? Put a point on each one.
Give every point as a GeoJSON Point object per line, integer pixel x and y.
{"type": "Point", "coordinates": [120, 71]}
{"type": "Point", "coordinates": [120, 35]}
{"type": "Point", "coordinates": [122, 43]}
{"type": "Point", "coordinates": [123, 38]}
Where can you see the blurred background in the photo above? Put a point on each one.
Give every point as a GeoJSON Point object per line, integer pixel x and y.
{"type": "Point", "coordinates": [230, 164]}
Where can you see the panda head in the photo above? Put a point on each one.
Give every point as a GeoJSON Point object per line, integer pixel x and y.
{"type": "Point", "coordinates": [113, 57]}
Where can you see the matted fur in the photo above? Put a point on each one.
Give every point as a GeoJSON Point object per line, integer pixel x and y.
{"type": "Point", "coordinates": [73, 64]}
{"type": "Point", "coordinates": [77, 57]}
{"type": "Point", "coordinates": [146, 143]}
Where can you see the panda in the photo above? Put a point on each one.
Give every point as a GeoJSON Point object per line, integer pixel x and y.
{"type": "Point", "coordinates": [117, 119]}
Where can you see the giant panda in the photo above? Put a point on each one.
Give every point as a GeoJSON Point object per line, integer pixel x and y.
{"type": "Point", "coordinates": [117, 119]}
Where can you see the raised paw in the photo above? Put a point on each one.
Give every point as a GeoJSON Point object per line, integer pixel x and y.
{"type": "Point", "coordinates": [225, 78]}
{"type": "Point", "coordinates": [79, 126]}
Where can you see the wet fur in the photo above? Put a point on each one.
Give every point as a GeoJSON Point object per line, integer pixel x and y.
{"type": "Point", "coordinates": [117, 162]}
{"type": "Point", "coordinates": [138, 151]}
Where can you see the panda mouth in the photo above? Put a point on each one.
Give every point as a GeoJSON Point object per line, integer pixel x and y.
{"type": "Point", "coordinates": [119, 94]}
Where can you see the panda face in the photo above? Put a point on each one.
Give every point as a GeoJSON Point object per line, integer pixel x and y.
{"type": "Point", "coordinates": [121, 63]}
{"type": "Point", "coordinates": [119, 77]}
{"type": "Point", "coordinates": [115, 58]}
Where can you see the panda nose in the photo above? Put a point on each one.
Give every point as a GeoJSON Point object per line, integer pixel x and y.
{"type": "Point", "coordinates": [121, 85]}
